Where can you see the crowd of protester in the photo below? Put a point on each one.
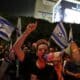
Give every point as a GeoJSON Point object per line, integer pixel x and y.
{"type": "Point", "coordinates": [38, 61]}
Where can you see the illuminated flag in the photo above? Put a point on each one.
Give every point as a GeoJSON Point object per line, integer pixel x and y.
{"type": "Point", "coordinates": [6, 29]}
{"type": "Point", "coordinates": [59, 36]}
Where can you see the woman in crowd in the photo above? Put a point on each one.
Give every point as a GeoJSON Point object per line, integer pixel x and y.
{"type": "Point", "coordinates": [34, 64]}
{"type": "Point", "coordinates": [72, 67]}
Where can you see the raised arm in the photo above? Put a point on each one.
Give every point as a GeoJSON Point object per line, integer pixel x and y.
{"type": "Point", "coordinates": [18, 44]}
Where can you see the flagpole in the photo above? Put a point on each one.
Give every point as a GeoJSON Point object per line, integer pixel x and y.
{"type": "Point", "coordinates": [18, 34]}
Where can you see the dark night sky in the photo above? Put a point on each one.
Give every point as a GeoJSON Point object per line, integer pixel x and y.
{"type": "Point", "coordinates": [24, 8]}
{"type": "Point", "coordinates": [17, 7]}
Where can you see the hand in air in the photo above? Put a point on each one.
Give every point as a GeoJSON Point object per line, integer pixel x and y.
{"type": "Point", "coordinates": [31, 27]}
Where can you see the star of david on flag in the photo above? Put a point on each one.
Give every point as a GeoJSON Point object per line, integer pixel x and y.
{"type": "Point", "coordinates": [59, 36]}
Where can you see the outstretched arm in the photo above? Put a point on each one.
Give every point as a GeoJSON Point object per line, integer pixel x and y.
{"type": "Point", "coordinates": [76, 75]}
{"type": "Point", "coordinates": [18, 44]}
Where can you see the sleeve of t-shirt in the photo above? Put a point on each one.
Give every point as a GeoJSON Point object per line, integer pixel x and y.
{"type": "Point", "coordinates": [69, 66]}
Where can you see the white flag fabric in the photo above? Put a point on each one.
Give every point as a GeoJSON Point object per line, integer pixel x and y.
{"type": "Point", "coordinates": [67, 50]}
{"type": "Point", "coordinates": [70, 35]}
{"type": "Point", "coordinates": [59, 36]}
{"type": "Point", "coordinates": [6, 29]}
{"type": "Point", "coordinates": [70, 39]}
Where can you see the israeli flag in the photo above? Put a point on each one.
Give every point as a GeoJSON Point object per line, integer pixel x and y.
{"type": "Point", "coordinates": [6, 29]}
{"type": "Point", "coordinates": [59, 36]}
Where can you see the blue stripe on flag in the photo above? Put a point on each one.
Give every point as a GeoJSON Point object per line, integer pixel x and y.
{"type": "Point", "coordinates": [6, 22]}
{"type": "Point", "coordinates": [61, 29]}
{"type": "Point", "coordinates": [6, 28]}
{"type": "Point", "coordinates": [3, 34]}
{"type": "Point", "coordinates": [58, 41]}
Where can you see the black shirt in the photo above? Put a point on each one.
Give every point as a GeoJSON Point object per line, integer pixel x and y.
{"type": "Point", "coordinates": [29, 66]}
{"type": "Point", "coordinates": [72, 67]}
